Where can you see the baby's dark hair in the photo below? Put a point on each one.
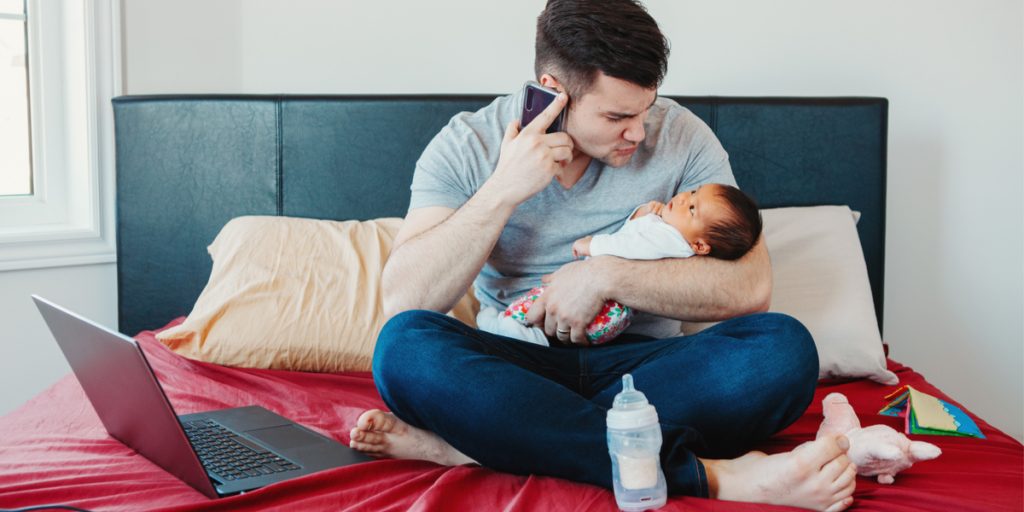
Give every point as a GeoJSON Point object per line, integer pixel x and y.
{"type": "Point", "coordinates": [733, 236]}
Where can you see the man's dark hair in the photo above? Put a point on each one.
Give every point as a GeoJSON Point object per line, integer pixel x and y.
{"type": "Point", "coordinates": [576, 39]}
{"type": "Point", "coordinates": [734, 236]}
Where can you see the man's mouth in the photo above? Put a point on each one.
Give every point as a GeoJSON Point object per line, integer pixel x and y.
{"type": "Point", "coordinates": [626, 151]}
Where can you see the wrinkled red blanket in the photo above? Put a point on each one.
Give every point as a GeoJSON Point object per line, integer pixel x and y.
{"type": "Point", "coordinates": [54, 450]}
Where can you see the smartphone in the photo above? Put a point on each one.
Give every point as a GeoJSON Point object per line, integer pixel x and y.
{"type": "Point", "coordinates": [536, 98]}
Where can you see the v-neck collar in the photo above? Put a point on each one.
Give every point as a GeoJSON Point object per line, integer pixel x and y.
{"type": "Point", "coordinates": [585, 183]}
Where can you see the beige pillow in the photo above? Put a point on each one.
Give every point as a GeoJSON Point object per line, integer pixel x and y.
{"type": "Point", "coordinates": [295, 294]}
{"type": "Point", "coordinates": [820, 278]}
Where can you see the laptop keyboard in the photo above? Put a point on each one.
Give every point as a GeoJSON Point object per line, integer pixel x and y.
{"type": "Point", "coordinates": [229, 456]}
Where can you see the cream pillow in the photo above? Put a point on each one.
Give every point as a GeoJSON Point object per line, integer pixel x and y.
{"type": "Point", "coordinates": [295, 294]}
{"type": "Point", "coordinates": [820, 278]}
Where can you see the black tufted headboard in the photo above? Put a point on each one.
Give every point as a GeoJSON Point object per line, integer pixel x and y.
{"type": "Point", "coordinates": [188, 164]}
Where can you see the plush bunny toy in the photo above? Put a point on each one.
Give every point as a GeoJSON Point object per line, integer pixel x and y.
{"type": "Point", "coordinates": [876, 450]}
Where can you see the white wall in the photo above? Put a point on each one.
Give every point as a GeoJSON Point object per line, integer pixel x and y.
{"type": "Point", "coordinates": [29, 358]}
{"type": "Point", "coordinates": [952, 71]}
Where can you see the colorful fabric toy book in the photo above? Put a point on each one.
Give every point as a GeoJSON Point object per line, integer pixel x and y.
{"type": "Point", "coordinates": [925, 414]}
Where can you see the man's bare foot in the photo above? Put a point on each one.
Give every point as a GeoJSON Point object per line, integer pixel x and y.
{"type": "Point", "coordinates": [381, 434]}
{"type": "Point", "coordinates": [815, 475]}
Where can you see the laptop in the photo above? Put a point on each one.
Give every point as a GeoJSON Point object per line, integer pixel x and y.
{"type": "Point", "coordinates": [219, 453]}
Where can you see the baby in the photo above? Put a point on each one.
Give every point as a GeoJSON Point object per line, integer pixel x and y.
{"type": "Point", "coordinates": [714, 220]}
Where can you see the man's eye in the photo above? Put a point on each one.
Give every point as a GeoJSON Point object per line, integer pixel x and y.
{"type": "Point", "coordinates": [615, 119]}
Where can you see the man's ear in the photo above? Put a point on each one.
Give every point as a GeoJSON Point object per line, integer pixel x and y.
{"type": "Point", "coordinates": [700, 247]}
{"type": "Point", "coordinates": [551, 82]}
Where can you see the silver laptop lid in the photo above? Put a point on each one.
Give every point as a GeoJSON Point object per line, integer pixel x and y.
{"type": "Point", "coordinates": [123, 389]}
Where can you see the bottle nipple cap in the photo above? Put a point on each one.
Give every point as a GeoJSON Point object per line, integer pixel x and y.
{"type": "Point", "coordinates": [629, 397]}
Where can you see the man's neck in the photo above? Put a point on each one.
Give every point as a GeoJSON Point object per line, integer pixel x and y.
{"type": "Point", "coordinates": [574, 171]}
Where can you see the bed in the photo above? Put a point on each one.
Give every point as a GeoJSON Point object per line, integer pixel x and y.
{"type": "Point", "coordinates": [186, 165]}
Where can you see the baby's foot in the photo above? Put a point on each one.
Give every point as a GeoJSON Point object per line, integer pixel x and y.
{"type": "Point", "coordinates": [381, 434]}
{"type": "Point", "coordinates": [816, 475]}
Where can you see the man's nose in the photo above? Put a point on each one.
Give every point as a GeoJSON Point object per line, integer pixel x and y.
{"type": "Point", "coordinates": [634, 132]}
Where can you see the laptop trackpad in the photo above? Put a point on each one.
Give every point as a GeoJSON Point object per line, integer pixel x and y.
{"type": "Point", "coordinates": [285, 437]}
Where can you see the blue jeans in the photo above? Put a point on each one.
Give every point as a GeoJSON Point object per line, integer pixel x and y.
{"type": "Point", "coordinates": [528, 409]}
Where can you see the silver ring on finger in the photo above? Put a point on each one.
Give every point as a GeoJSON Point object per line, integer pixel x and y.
{"type": "Point", "coordinates": [562, 334]}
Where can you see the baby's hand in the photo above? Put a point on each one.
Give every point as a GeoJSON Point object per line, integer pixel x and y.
{"type": "Point", "coordinates": [647, 209]}
{"type": "Point", "coordinates": [581, 247]}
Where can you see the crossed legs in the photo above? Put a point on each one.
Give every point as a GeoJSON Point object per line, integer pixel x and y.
{"type": "Point", "coordinates": [460, 395]}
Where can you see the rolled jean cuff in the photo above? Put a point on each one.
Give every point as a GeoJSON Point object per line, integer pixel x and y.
{"type": "Point", "coordinates": [703, 491]}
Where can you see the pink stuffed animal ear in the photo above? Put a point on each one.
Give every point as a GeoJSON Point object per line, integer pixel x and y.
{"type": "Point", "coordinates": [920, 450]}
{"type": "Point", "coordinates": [840, 417]}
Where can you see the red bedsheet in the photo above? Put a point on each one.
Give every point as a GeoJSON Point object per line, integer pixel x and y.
{"type": "Point", "coordinates": [54, 450]}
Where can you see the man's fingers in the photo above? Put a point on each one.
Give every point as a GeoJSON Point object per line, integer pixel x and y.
{"type": "Point", "coordinates": [561, 154]}
{"type": "Point", "coordinates": [579, 336]}
{"type": "Point", "coordinates": [558, 139]}
{"type": "Point", "coordinates": [536, 314]}
{"type": "Point", "coordinates": [551, 326]}
{"type": "Point", "coordinates": [511, 131]}
{"type": "Point", "coordinates": [542, 122]}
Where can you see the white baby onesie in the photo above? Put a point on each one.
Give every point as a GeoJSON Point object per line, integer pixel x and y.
{"type": "Point", "coordinates": [645, 238]}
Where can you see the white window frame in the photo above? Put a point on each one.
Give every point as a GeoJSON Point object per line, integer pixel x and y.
{"type": "Point", "coordinates": [74, 71]}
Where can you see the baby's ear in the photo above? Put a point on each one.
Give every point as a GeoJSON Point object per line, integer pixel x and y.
{"type": "Point", "coordinates": [700, 247]}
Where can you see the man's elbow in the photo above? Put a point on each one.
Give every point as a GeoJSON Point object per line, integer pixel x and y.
{"type": "Point", "coordinates": [390, 306]}
{"type": "Point", "coordinates": [395, 300]}
{"type": "Point", "coordinates": [398, 299]}
{"type": "Point", "coordinates": [392, 301]}
{"type": "Point", "coordinates": [760, 298]}
{"type": "Point", "coordinates": [762, 301]}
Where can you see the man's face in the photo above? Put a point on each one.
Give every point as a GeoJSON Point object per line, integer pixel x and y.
{"type": "Point", "coordinates": [607, 122]}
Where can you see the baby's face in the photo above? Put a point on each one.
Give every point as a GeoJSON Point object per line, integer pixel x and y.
{"type": "Point", "coordinates": [692, 212]}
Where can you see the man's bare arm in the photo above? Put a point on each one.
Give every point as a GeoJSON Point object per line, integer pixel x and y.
{"type": "Point", "coordinates": [439, 251]}
{"type": "Point", "coordinates": [694, 289]}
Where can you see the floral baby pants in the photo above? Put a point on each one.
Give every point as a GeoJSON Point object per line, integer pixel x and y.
{"type": "Point", "coordinates": [609, 323]}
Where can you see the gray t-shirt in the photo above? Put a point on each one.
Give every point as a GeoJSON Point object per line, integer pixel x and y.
{"type": "Point", "coordinates": [678, 153]}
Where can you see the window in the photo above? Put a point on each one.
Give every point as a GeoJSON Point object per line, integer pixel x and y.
{"type": "Point", "coordinates": [15, 161]}
{"type": "Point", "coordinates": [59, 68]}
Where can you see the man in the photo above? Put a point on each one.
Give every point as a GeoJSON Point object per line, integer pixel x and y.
{"type": "Point", "coordinates": [499, 206]}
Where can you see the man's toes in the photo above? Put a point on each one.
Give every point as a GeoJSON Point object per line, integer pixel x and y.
{"type": "Point", "coordinates": [372, 450]}
{"type": "Point", "coordinates": [367, 419]}
{"type": "Point", "coordinates": [840, 505]}
{"type": "Point", "coordinates": [820, 452]}
{"type": "Point", "coordinates": [377, 420]}
{"type": "Point", "coordinates": [849, 476]}
{"type": "Point", "coordinates": [370, 437]}
{"type": "Point", "coordinates": [835, 467]}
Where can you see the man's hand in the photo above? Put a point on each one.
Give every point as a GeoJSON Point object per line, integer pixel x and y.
{"type": "Point", "coordinates": [581, 247]}
{"type": "Point", "coordinates": [649, 208]}
{"type": "Point", "coordinates": [531, 158]}
{"type": "Point", "coordinates": [573, 297]}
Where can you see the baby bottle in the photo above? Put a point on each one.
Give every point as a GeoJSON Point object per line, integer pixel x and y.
{"type": "Point", "coordinates": [634, 442]}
